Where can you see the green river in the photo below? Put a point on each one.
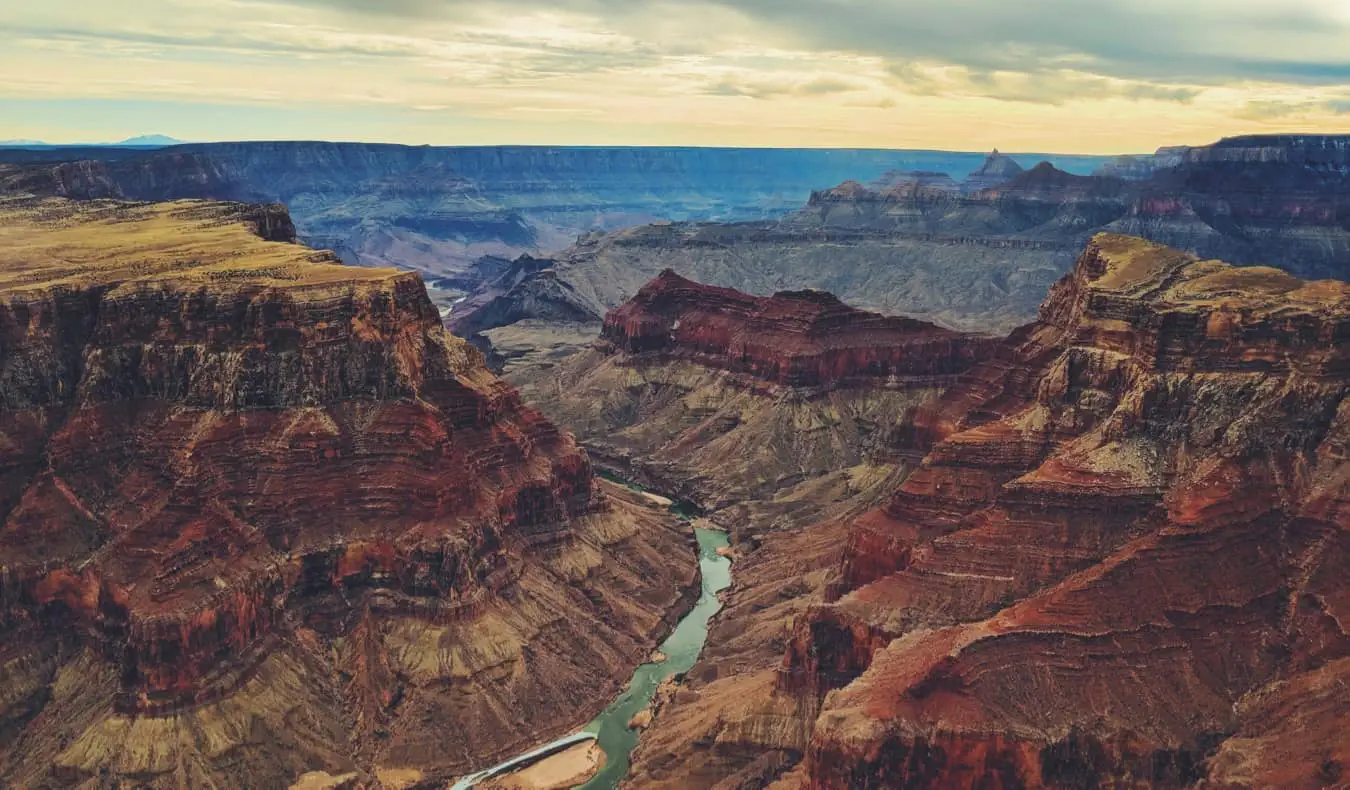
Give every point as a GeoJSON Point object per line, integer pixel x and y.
{"type": "Point", "coordinates": [681, 648]}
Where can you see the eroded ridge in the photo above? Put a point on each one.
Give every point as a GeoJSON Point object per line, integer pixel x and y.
{"type": "Point", "coordinates": [258, 505]}
{"type": "Point", "coordinates": [1127, 542]}
{"type": "Point", "coordinates": [766, 411]}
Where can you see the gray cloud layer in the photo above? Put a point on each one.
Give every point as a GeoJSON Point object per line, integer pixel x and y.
{"type": "Point", "coordinates": [1201, 42]}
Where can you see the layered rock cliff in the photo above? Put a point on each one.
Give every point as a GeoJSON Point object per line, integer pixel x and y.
{"type": "Point", "coordinates": [263, 516]}
{"type": "Point", "coordinates": [439, 209]}
{"type": "Point", "coordinates": [913, 244]}
{"type": "Point", "coordinates": [767, 411]}
{"type": "Point", "coordinates": [1121, 563]}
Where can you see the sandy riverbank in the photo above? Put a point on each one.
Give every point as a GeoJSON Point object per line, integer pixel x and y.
{"type": "Point", "coordinates": [562, 771]}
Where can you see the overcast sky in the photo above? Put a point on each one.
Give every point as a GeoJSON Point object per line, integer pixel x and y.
{"type": "Point", "coordinates": [1091, 76]}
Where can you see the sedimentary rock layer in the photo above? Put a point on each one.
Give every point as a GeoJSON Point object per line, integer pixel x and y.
{"type": "Point", "coordinates": [1129, 526]}
{"type": "Point", "coordinates": [917, 245]}
{"type": "Point", "coordinates": [1121, 563]}
{"type": "Point", "coordinates": [439, 209]}
{"type": "Point", "coordinates": [772, 409]}
{"type": "Point", "coordinates": [263, 515]}
{"type": "Point", "coordinates": [794, 338]}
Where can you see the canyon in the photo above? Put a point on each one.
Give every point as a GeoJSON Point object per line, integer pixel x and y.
{"type": "Point", "coordinates": [974, 255]}
{"type": "Point", "coordinates": [441, 210]}
{"type": "Point", "coordinates": [1120, 562]}
{"type": "Point", "coordinates": [264, 521]}
{"type": "Point", "coordinates": [1023, 486]}
{"type": "Point", "coordinates": [765, 412]}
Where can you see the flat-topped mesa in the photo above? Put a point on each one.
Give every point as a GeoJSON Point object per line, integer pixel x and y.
{"type": "Point", "coordinates": [793, 338]}
{"type": "Point", "coordinates": [202, 425]}
{"type": "Point", "coordinates": [1143, 487]}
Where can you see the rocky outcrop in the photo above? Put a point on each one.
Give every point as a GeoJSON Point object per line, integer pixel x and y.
{"type": "Point", "coordinates": [766, 411]}
{"type": "Point", "coordinates": [528, 290]}
{"type": "Point", "coordinates": [1127, 530]}
{"type": "Point", "coordinates": [263, 516]}
{"type": "Point", "coordinates": [793, 338]}
{"type": "Point", "coordinates": [1119, 564]}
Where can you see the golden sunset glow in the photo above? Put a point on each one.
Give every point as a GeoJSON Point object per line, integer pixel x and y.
{"type": "Point", "coordinates": [1047, 75]}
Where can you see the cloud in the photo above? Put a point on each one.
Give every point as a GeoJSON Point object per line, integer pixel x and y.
{"type": "Point", "coordinates": [771, 89]}
{"type": "Point", "coordinates": [1202, 42]}
{"type": "Point", "coordinates": [962, 73]}
{"type": "Point", "coordinates": [1277, 109]}
{"type": "Point", "coordinates": [1050, 87]}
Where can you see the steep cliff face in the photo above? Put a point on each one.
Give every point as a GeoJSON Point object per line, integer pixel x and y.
{"type": "Point", "coordinates": [1127, 535]}
{"type": "Point", "coordinates": [1138, 168]}
{"type": "Point", "coordinates": [263, 515]}
{"type": "Point", "coordinates": [768, 411]}
{"type": "Point", "coordinates": [1121, 563]}
{"type": "Point", "coordinates": [794, 338]}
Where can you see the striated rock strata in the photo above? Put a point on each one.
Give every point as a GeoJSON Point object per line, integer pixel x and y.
{"type": "Point", "coordinates": [766, 410]}
{"type": "Point", "coordinates": [1121, 563]}
{"type": "Point", "coordinates": [917, 245]}
{"type": "Point", "coordinates": [261, 516]}
{"type": "Point", "coordinates": [440, 209]}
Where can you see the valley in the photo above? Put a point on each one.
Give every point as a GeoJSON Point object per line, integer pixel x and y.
{"type": "Point", "coordinates": [996, 476]}
{"type": "Point", "coordinates": [978, 255]}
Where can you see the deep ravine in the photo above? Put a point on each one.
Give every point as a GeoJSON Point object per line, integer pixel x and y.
{"type": "Point", "coordinates": [679, 653]}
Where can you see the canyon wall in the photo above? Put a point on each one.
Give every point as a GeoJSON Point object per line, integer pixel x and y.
{"type": "Point", "coordinates": [916, 244]}
{"type": "Point", "coordinates": [262, 516]}
{"type": "Point", "coordinates": [1121, 563]}
{"type": "Point", "coordinates": [766, 411]}
{"type": "Point", "coordinates": [439, 209]}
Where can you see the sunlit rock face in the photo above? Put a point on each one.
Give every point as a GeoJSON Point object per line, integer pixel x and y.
{"type": "Point", "coordinates": [794, 338]}
{"type": "Point", "coordinates": [260, 506]}
{"type": "Point", "coordinates": [1127, 539]}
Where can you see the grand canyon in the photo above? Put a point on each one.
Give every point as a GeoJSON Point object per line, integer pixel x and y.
{"type": "Point", "coordinates": [376, 466]}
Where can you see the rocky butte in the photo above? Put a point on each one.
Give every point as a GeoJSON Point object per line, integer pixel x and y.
{"type": "Point", "coordinates": [439, 209]}
{"type": "Point", "coordinates": [261, 517]}
{"type": "Point", "coordinates": [1122, 563]}
{"type": "Point", "coordinates": [764, 410]}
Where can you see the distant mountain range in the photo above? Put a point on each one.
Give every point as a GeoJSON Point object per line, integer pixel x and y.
{"type": "Point", "coordinates": [140, 141]}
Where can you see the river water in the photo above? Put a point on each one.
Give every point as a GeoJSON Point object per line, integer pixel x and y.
{"type": "Point", "coordinates": [681, 648]}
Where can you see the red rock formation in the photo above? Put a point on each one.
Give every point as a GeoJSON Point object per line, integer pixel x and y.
{"type": "Point", "coordinates": [1130, 530]}
{"type": "Point", "coordinates": [210, 437]}
{"type": "Point", "coordinates": [794, 338]}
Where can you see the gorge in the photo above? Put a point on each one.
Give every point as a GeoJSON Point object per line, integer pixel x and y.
{"type": "Point", "coordinates": [1119, 562]}
{"type": "Point", "coordinates": [1023, 486]}
{"type": "Point", "coordinates": [264, 518]}
{"type": "Point", "coordinates": [453, 213]}
{"type": "Point", "coordinates": [975, 255]}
